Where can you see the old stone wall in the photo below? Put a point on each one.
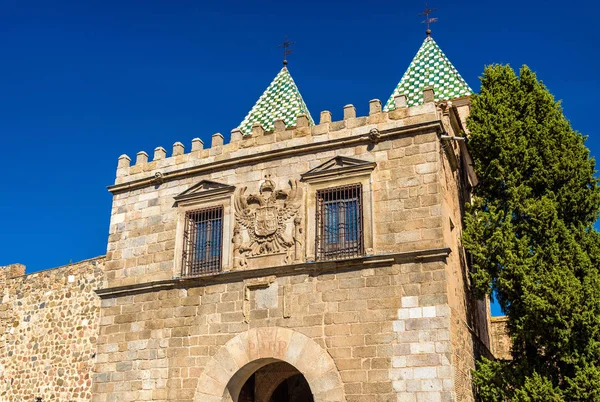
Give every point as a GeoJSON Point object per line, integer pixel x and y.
{"type": "Point", "coordinates": [386, 329]}
{"type": "Point", "coordinates": [403, 329]}
{"type": "Point", "coordinates": [396, 322]}
{"type": "Point", "coordinates": [468, 327]}
{"type": "Point", "coordinates": [501, 339]}
{"type": "Point", "coordinates": [402, 194]}
{"type": "Point", "coordinates": [49, 324]}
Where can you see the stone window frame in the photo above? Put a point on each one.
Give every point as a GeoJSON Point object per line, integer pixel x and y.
{"type": "Point", "coordinates": [352, 171]}
{"type": "Point", "coordinates": [339, 230]}
{"type": "Point", "coordinates": [205, 194]}
{"type": "Point", "coordinates": [203, 241]}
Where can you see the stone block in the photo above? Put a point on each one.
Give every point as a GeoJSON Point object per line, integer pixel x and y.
{"type": "Point", "coordinates": [374, 106]}
{"type": "Point", "coordinates": [410, 301]}
{"type": "Point", "coordinates": [356, 122]}
{"type": "Point", "coordinates": [141, 158]}
{"type": "Point", "coordinates": [428, 95]}
{"type": "Point", "coordinates": [399, 114]}
{"type": "Point", "coordinates": [178, 149]}
{"type": "Point", "coordinates": [302, 121]}
{"type": "Point", "coordinates": [284, 135]}
{"type": "Point", "coordinates": [320, 129]}
{"type": "Point", "coordinates": [349, 112]}
{"type": "Point", "coordinates": [407, 397]}
{"type": "Point", "coordinates": [197, 145]}
{"type": "Point", "coordinates": [279, 125]}
{"type": "Point", "coordinates": [217, 140]}
{"type": "Point", "coordinates": [14, 271]}
{"type": "Point", "coordinates": [302, 131]}
{"type": "Point", "coordinates": [337, 125]}
{"type": "Point", "coordinates": [257, 130]}
{"type": "Point", "coordinates": [430, 397]}
{"type": "Point", "coordinates": [425, 372]}
{"type": "Point", "coordinates": [236, 135]}
{"type": "Point", "coordinates": [429, 312]}
{"type": "Point", "coordinates": [124, 161]}
{"type": "Point", "coordinates": [268, 138]}
{"type": "Point", "coordinates": [400, 101]}
{"type": "Point", "coordinates": [425, 168]}
{"type": "Point", "coordinates": [247, 141]}
{"type": "Point", "coordinates": [325, 117]}
{"type": "Point", "coordinates": [159, 153]}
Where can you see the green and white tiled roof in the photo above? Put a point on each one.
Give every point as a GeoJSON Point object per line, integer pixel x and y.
{"type": "Point", "coordinates": [429, 68]}
{"type": "Point", "coordinates": [281, 100]}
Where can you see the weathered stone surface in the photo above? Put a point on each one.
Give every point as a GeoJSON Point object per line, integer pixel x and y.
{"type": "Point", "coordinates": [49, 325]}
{"type": "Point", "coordinates": [501, 345]}
{"type": "Point", "coordinates": [391, 327]}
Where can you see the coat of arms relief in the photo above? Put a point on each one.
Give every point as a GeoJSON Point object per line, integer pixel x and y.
{"type": "Point", "coordinates": [272, 223]}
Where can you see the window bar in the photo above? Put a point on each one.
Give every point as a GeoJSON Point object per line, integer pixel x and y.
{"type": "Point", "coordinates": [196, 245]}
{"type": "Point", "coordinates": [186, 246]}
{"type": "Point", "coordinates": [203, 242]}
{"type": "Point", "coordinates": [192, 243]}
{"type": "Point", "coordinates": [339, 223]}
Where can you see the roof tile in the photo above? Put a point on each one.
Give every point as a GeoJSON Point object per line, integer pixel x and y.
{"type": "Point", "coordinates": [281, 100]}
{"type": "Point", "coordinates": [429, 68]}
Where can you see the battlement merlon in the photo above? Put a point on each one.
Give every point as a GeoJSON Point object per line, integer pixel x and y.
{"type": "Point", "coordinates": [13, 271]}
{"type": "Point", "coordinates": [287, 140]}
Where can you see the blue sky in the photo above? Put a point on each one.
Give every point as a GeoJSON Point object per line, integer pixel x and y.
{"type": "Point", "coordinates": [83, 82]}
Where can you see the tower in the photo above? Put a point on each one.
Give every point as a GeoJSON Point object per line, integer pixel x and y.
{"type": "Point", "coordinates": [321, 260]}
{"type": "Point", "coordinates": [296, 260]}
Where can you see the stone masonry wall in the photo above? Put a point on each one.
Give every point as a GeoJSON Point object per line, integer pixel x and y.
{"type": "Point", "coordinates": [404, 190]}
{"type": "Point", "coordinates": [469, 332]}
{"type": "Point", "coordinates": [155, 345]}
{"type": "Point", "coordinates": [401, 331]}
{"type": "Point", "coordinates": [397, 323]}
{"type": "Point", "coordinates": [49, 323]}
{"type": "Point", "coordinates": [501, 339]}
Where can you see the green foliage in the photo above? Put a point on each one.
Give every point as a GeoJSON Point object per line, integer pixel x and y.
{"type": "Point", "coordinates": [529, 230]}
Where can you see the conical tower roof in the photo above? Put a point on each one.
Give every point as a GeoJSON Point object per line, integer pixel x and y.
{"type": "Point", "coordinates": [429, 68]}
{"type": "Point", "coordinates": [281, 100]}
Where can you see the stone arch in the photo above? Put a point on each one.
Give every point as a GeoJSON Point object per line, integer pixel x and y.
{"type": "Point", "coordinates": [240, 357]}
{"type": "Point", "coordinates": [282, 371]}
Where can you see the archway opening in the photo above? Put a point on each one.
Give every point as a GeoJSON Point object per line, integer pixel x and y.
{"type": "Point", "coordinates": [276, 382]}
{"type": "Point", "coordinates": [234, 363]}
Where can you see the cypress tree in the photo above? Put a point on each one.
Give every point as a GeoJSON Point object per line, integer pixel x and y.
{"type": "Point", "coordinates": [530, 232]}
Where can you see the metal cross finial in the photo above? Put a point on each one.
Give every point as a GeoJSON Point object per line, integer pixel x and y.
{"type": "Point", "coordinates": [286, 51]}
{"type": "Point", "coordinates": [428, 20]}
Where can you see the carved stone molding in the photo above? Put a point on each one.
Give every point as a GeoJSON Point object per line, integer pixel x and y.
{"type": "Point", "coordinates": [311, 268]}
{"type": "Point", "coordinates": [265, 217]}
{"type": "Point", "coordinates": [252, 285]}
{"type": "Point", "coordinates": [203, 191]}
{"type": "Point", "coordinates": [340, 166]}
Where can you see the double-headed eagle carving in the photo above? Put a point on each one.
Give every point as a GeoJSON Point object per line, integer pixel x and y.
{"type": "Point", "coordinates": [264, 215]}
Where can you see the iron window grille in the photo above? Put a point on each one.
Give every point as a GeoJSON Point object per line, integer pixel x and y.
{"type": "Point", "coordinates": [202, 241]}
{"type": "Point", "coordinates": [339, 223]}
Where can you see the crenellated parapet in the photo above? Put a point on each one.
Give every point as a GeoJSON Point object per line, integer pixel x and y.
{"type": "Point", "coordinates": [295, 248]}
{"type": "Point", "coordinates": [281, 137]}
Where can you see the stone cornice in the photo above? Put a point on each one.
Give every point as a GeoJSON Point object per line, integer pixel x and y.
{"type": "Point", "coordinates": [196, 192]}
{"type": "Point", "coordinates": [435, 125]}
{"type": "Point", "coordinates": [310, 268]}
{"type": "Point", "coordinates": [354, 167]}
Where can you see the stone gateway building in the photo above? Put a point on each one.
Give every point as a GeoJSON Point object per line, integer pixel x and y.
{"type": "Point", "coordinates": [298, 261]}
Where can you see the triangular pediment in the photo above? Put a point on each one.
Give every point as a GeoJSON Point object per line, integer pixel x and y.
{"type": "Point", "coordinates": [203, 189]}
{"type": "Point", "coordinates": [339, 165]}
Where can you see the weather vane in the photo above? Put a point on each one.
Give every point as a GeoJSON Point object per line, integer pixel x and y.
{"type": "Point", "coordinates": [428, 20]}
{"type": "Point", "coordinates": [286, 51]}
